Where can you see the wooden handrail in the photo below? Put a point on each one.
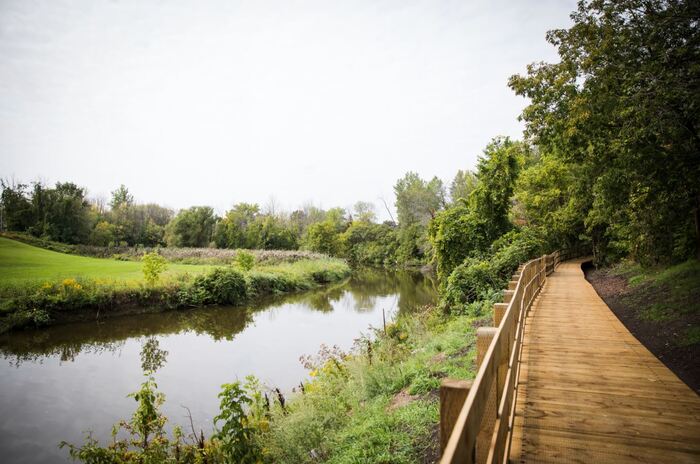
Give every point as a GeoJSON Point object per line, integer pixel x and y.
{"type": "Point", "coordinates": [482, 431]}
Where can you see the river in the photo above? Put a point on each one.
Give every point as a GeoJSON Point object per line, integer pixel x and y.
{"type": "Point", "coordinates": [59, 382]}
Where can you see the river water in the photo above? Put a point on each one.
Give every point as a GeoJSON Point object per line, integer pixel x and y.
{"type": "Point", "coordinates": [59, 382]}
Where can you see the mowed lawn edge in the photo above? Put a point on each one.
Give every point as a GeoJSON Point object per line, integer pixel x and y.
{"type": "Point", "coordinates": [41, 287]}
{"type": "Point", "coordinates": [21, 263]}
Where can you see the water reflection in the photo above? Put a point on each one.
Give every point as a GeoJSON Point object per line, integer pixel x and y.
{"type": "Point", "coordinates": [60, 381]}
{"type": "Point", "coordinates": [410, 290]}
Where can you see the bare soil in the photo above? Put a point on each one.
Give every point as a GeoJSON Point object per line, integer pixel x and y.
{"type": "Point", "coordinates": [659, 337]}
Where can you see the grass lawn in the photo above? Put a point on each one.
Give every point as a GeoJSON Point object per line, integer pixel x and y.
{"type": "Point", "coordinates": [21, 263]}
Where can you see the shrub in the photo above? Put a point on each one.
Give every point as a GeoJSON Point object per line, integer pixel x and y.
{"type": "Point", "coordinates": [245, 260]}
{"type": "Point", "coordinates": [268, 283]}
{"type": "Point", "coordinates": [236, 438]}
{"type": "Point", "coordinates": [153, 266]}
{"type": "Point", "coordinates": [471, 280]}
{"type": "Point", "coordinates": [477, 279]}
{"type": "Point", "coordinates": [220, 286]}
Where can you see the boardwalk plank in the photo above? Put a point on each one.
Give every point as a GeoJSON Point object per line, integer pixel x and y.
{"type": "Point", "coordinates": [590, 392]}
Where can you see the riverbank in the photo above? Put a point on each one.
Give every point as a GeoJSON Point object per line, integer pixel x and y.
{"type": "Point", "coordinates": [40, 287]}
{"type": "Point", "coordinates": [380, 402]}
{"type": "Point", "coordinates": [661, 307]}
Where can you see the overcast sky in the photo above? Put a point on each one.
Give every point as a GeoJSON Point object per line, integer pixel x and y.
{"type": "Point", "coordinates": [212, 103]}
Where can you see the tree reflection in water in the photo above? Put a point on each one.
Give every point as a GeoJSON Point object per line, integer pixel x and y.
{"type": "Point", "coordinates": [360, 292]}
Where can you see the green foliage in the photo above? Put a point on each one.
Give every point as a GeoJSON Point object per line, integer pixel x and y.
{"type": "Point", "coordinates": [383, 410]}
{"type": "Point", "coordinates": [222, 286]}
{"type": "Point", "coordinates": [245, 260]}
{"type": "Point", "coordinates": [546, 199]}
{"type": "Point", "coordinates": [121, 198]}
{"type": "Point", "coordinates": [456, 234]}
{"type": "Point", "coordinates": [235, 436]}
{"type": "Point", "coordinates": [462, 186]}
{"type": "Point", "coordinates": [497, 173]}
{"type": "Point", "coordinates": [479, 280]}
{"type": "Point", "coordinates": [192, 227]}
{"type": "Point", "coordinates": [16, 207]}
{"type": "Point", "coordinates": [61, 213]}
{"type": "Point", "coordinates": [662, 293]}
{"type": "Point", "coordinates": [146, 440]}
{"type": "Point", "coordinates": [103, 234]}
{"type": "Point", "coordinates": [30, 296]}
{"type": "Point", "coordinates": [417, 201]}
{"type": "Point", "coordinates": [467, 229]}
{"type": "Point", "coordinates": [631, 140]}
{"type": "Point", "coordinates": [236, 228]}
{"type": "Point", "coordinates": [323, 237]}
{"type": "Point", "coordinates": [370, 244]}
{"type": "Point", "coordinates": [153, 266]}
{"type": "Point", "coordinates": [472, 280]}
{"type": "Point", "coordinates": [364, 212]}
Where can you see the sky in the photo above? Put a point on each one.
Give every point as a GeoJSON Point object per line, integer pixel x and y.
{"type": "Point", "coordinates": [217, 102]}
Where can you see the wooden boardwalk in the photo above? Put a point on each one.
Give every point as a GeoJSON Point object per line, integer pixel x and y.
{"type": "Point", "coordinates": [589, 392]}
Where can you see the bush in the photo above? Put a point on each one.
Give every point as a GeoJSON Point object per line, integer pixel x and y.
{"type": "Point", "coordinates": [236, 437]}
{"type": "Point", "coordinates": [470, 281]}
{"type": "Point", "coordinates": [457, 233]}
{"type": "Point", "coordinates": [153, 266]}
{"type": "Point", "coordinates": [477, 279]}
{"type": "Point", "coordinates": [220, 286]}
{"type": "Point", "coordinates": [268, 283]}
{"type": "Point", "coordinates": [245, 260]}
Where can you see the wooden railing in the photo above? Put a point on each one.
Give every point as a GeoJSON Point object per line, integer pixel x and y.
{"type": "Point", "coordinates": [478, 428]}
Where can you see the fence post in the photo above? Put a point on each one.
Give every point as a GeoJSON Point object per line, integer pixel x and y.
{"type": "Point", "coordinates": [499, 310]}
{"type": "Point", "coordinates": [453, 393]}
{"type": "Point", "coordinates": [484, 336]}
{"type": "Point", "coordinates": [508, 295]}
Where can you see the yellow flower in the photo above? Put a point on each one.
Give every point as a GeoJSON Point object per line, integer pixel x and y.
{"type": "Point", "coordinates": [71, 283]}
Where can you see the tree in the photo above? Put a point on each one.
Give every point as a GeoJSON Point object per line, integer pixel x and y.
{"type": "Point", "coordinates": [192, 227]}
{"type": "Point", "coordinates": [623, 105]}
{"type": "Point", "coordinates": [368, 243]}
{"type": "Point", "coordinates": [121, 198]}
{"type": "Point", "coordinates": [275, 235]}
{"type": "Point", "coordinates": [102, 234]}
{"type": "Point", "coordinates": [364, 212]}
{"type": "Point", "coordinates": [417, 201]}
{"type": "Point", "coordinates": [546, 199]}
{"type": "Point", "coordinates": [462, 185]}
{"type": "Point", "coordinates": [468, 228]}
{"type": "Point", "coordinates": [497, 171]}
{"type": "Point", "coordinates": [153, 266]}
{"type": "Point", "coordinates": [237, 229]}
{"type": "Point", "coordinates": [323, 237]}
{"type": "Point", "coordinates": [16, 207]}
{"type": "Point", "coordinates": [61, 213]}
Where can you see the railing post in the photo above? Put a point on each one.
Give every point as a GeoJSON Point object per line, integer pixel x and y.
{"type": "Point", "coordinates": [508, 295]}
{"type": "Point", "coordinates": [453, 393]}
{"type": "Point", "coordinates": [484, 336]}
{"type": "Point", "coordinates": [499, 310]}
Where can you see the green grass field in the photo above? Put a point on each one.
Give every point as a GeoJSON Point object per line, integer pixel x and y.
{"type": "Point", "coordinates": [21, 263]}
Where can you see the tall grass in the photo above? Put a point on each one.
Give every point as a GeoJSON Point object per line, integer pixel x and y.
{"type": "Point", "coordinates": [378, 403]}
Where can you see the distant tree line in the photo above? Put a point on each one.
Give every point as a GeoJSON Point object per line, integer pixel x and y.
{"type": "Point", "coordinates": [66, 214]}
